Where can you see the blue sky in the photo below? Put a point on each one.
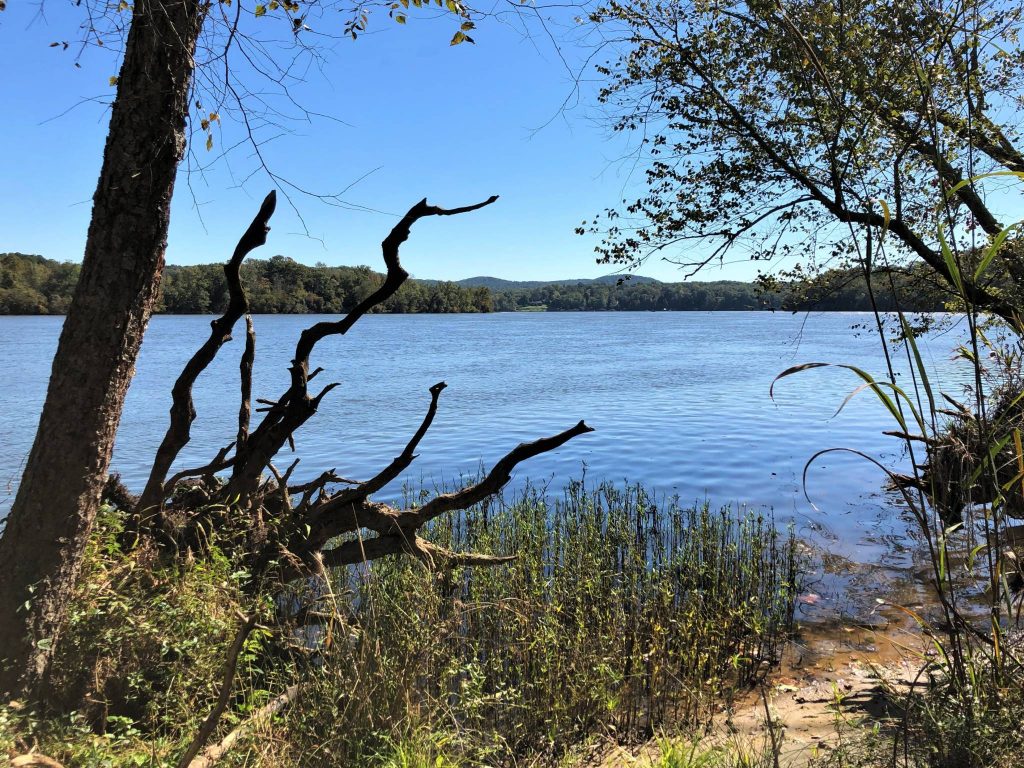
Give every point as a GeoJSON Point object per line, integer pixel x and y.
{"type": "Point", "coordinates": [410, 116]}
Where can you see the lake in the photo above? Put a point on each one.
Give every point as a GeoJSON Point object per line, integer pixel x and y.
{"type": "Point", "coordinates": [679, 401]}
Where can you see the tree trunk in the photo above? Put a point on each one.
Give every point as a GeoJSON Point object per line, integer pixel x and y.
{"type": "Point", "coordinates": [56, 503]}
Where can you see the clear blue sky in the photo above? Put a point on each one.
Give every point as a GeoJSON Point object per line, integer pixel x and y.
{"type": "Point", "coordinates": [422, 118]}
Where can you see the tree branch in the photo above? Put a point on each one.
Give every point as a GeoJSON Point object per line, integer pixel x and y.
{"type": "Point", "coordinates": [245, 372]}
{"type": "Point", "coordinates": [296, 406]}
{"type": "Point", "coordinates": [183, 411]}
{"type": "Point", "coordinates": [499, 475]}
{"type": "Point", "coordinates": [210, 723]}
{"type": "Point", "coordinates": [400, 463]}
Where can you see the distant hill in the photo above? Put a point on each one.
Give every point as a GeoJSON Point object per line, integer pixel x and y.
{"type": "Point", "coordinates": [498, 284]}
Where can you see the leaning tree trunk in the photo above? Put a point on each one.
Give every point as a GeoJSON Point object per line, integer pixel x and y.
{"type": "Point", "coordinates": [53, 512]}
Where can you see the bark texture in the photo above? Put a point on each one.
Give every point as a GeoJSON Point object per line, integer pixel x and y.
{"type": "Point", "coordinates": [53, 512]}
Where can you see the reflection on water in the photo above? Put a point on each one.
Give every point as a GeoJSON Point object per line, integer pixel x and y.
{"type": "Point", "coordinates": [679, 401]}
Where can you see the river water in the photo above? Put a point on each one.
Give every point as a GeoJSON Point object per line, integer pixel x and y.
{"type": "Point", "coordinates": [679, 400]}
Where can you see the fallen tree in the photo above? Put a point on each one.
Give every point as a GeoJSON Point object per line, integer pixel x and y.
{"type": "Point", "coordinates": [294, 526]}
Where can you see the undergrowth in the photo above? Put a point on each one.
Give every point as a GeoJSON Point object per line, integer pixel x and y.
{"type": "Point", "coordinates": [617, 615]}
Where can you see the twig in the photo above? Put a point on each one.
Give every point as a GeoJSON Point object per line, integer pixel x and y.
{"type": "Point", "coordinates": [217, 751]}
{"type": "Point", "coordinates": [210, 723]}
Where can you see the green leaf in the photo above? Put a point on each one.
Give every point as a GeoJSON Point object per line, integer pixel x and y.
{"type": "Point", "coordinates": [260, 10]}
{"type": "Point", "coordinates": [457, 38]}
{"type": "Point", "coordinates": [113, 79]}
{"type": "Point", "coordinates": [400, 18]}
{"type": "Point", "coordinates": [960, 185]}
{"type": "Point", "coordinates": [869, 383]}
{"type": "Point", "coordinates": [992, 250]}
{"type": "Point", "coordinates": [950, 260]}
{"type": "Point", "coordinates": [467, 25]}
{"type": "Point", "coordinates": [922, 372]}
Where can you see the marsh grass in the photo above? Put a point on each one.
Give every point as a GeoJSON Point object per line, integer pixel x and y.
{"type": "Point", "coordinates": [619, 614]}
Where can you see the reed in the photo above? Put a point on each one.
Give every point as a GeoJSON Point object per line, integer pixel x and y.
{"type": "Point", "coordinates": [618, 614]}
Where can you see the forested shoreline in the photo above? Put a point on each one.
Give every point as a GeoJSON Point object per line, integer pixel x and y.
{"type": "Point", "coordinates": [34, 285]}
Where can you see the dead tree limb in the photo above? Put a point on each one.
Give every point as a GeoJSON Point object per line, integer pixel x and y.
{"type": "Point", "coordinates": [400, 462]}
{"type": "Point", "coordinates": [493, 482]}
{"type": "Point", "coordinates": [296, 406]}
{"type": "Point", "coordinates": [245, 372]}
{"type": "Point", "coordinates": [34, 760]}
{"type": "Point", "coordinates": [352, 552]}
{"type": "Point", "coordinates": [183, 411]}
{"type": "Point", "coordinates": [219, 463]}
{"type": "Point", "coordinates": [264, 713]}
{"type": "Point", "coordinates": [227, 683]}
{"type": "Point", "coordinates": [295, 545]}
{"type": "Point", "coordinates": [348, 511]}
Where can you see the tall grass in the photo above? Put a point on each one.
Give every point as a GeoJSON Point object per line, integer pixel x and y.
{"type": "Point", "coordinates": [618, 614]}
{"type": "Point", "coordinates": [964, 492]}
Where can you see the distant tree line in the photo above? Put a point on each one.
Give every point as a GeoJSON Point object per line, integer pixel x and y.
{"type": "Point", "coordinates": [281, 285]}
{"type": "Point", "coordinates": [630, 296]}
{"type": "Point", "coordinates": [33, 285]}
{"type": "Point", "coordinates": [833, 291]}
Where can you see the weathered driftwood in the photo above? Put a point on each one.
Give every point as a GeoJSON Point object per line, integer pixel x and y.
{"type": "Point", "coordinates": [183, 411]}
{"type": "Point", "coordinates": [226, 684]}
{"type": "Point", "coordinates": [215, 752]}
{"type": "Point", "coordinates": [302, 535]}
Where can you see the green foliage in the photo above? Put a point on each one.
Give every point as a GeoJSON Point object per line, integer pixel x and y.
{"type": "Point", "coordinates": [32, 285]}
{"type": "Point", "coordinates": [833, 290]}
{"type": "Point", "coordinates": [618, 614]}
{"type": "Point", "coordinates": [281, 286]}
{"type": "Point", "coordinates": [778, 126]}
{"type": "Point", "coordinates": [140, 655]}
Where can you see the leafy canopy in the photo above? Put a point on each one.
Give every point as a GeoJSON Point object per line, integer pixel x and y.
{"type": "Point", "coordinates": [785, 128]}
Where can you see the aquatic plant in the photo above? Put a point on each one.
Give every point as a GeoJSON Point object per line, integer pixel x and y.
{"type": "Point", "coordinates": [963, 491]}
{"type": "Point", "coordinates": [619, 613]}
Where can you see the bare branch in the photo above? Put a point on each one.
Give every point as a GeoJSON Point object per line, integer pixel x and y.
{"type": "Point", "coordinates": [218, 463]}
{"type": "Point", "coordinates": [267, 711]}
{"type": "Point", "coordinates": [183, 411]}
{"type": "Point", "coordinates": [400, 462]}
{"type": "Point", "coordinates": [396, 275]}
{"type": "Point", "coordinates": [492, 483]}
{"type": "Point", "coordinates": [351, 511]}
{"type": "Point", "coordinates": [210, 723]}
{"type": "Point", "coordinates": [296, 406]}
{"type": "Point", "coordinates": [245, 371]}
{"type": "Point", "coordinates": [352, 552]}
